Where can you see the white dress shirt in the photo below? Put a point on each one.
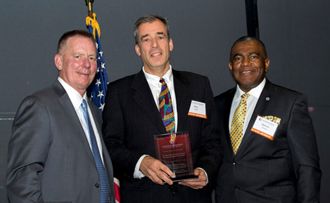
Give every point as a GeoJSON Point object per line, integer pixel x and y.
{"type": "Point", "coordinates": [155, 87]}
{"type": "Point", "coordinates": [251, 103]}
{"type": "Point", "coordinates": [76, 100]}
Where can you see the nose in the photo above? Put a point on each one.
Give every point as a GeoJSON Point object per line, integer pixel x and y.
{"type": "Point", "coordinates": [245, 61]}
{"type": "Point", "coordinates": [154, 43]}
{"type": "Point", "coordinates": [86, 63]}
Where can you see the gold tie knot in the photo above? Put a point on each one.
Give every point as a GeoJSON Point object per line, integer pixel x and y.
{"type": "Point", "coordinates": [245, 96]}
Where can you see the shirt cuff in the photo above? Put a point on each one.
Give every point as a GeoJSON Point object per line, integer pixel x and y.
{"type": "Point", "coordinates": [137, 173]}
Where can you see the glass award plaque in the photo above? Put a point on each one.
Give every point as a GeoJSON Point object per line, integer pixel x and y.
{"type": "Point", "coordinates": [174, 150]}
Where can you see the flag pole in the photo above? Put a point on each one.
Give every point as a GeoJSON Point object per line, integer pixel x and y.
{"type": "Point", "coordinates": [91, 19]}
{"type": "Point", "coordinates": [89, 4]}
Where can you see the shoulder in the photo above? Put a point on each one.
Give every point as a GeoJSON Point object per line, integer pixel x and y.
{"type": "Point", "coordinates": [46, 95]}
{"type": "Point", "coordinates": [191, 81]}
{"type": "Point", "coordinates": [124, 82]}
{"type": "Point", "coordinates": [189, 76]}
{"type": "Point", "coordinates": [35, 108]}
{"type": "Point", "coordinates": [228, 94]}
{"type": "Point", "coordinates": [282, 91]}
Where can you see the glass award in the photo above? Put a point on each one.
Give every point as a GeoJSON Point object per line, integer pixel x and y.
{"type": "Point", "coordinates": [174, 150]}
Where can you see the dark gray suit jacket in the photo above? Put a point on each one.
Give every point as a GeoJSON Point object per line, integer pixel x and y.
{"type": "Point", "coordinates": [131, 119]}
{"type": "Point", "coordinates": [285, 170]}
{"type": "Point", "coordinates": [49, 158]}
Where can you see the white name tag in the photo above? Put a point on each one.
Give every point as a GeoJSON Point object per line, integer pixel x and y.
{"type": "Point", "coordinates": [197, 109]}
{"type": "Point", "coordinates": [264, 127]}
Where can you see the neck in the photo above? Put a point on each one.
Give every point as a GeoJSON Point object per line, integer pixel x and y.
{"type": "Point", "coordinates": [160, 72]}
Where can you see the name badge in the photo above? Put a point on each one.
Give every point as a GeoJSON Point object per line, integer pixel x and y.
{"type": "Point", "coordinates": [264, 127]}
{"type": "Point", "coordinates": [197, 109]}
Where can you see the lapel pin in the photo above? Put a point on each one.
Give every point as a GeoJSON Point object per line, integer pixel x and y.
{"type": "Point", "coordinates": [267, 98]}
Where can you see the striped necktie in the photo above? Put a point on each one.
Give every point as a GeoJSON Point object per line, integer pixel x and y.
{"type": "Point", "coordinates": [166, 108]}
{"type": "Point", "coordinates": [237, 124]}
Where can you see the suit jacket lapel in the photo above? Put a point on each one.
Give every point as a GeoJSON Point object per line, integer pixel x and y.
{"type": "Point", "coordinates": [143, 97]}
{"type": "Point", "coordinates": [226, 115]}
{"type": "Point", "coordinates": [75, 124]}
{"type": "Point", "coordinates": [260, 106]}
{"type": "Point", "coordinates": [183, 100]}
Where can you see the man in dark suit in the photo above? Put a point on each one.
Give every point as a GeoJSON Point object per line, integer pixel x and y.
{"type": "Point", "coordinates": [131, 119]}
{"type": "Point", "coordinates": [272, 156]}
{"type": "Point", "coordinates": [56, 152]}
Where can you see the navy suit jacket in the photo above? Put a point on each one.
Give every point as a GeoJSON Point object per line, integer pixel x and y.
{"type": "Point", "coordinates": [285, 169]}
{"type": "Point", "coordinates": [49, 158]}
{"type": "Point", "coordinates": [131, 119]}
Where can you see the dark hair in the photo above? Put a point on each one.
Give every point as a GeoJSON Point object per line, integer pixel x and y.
{"type": "Point", "coordinates": [149, 19]}
{"type": "Point", "coordinates": [62, 41]}
{"type": "Point", "coordinates": [248, 38]}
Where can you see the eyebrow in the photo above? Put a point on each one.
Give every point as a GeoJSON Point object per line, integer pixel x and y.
{"type": "Point", "coordinates": [144, 36]}
{"type": "Point", "coordinates": [161, 33]}
{"type": "Point", "coordinates": [158, 33]}
{"type": "Point", "coordinates": [249, 54]}
{"type": "Point", "coordinates": [233, 55]}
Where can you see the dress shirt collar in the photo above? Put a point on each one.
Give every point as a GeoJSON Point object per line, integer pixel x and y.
{"type": "Point", "coordinates": [74, 95]}
{"type": "Point", "coordinates": [154, 80]}
{"type": "Point", "coordinates": [255, 92]}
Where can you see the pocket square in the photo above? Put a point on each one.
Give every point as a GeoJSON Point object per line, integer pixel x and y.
{"type": "Point", "coordinates": [274, 119]}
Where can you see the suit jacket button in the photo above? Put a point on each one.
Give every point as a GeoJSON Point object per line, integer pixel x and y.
{"type": "Point", "coordinates": [97, 185]}
{"type": "Point", "coordinates": [234, 163]}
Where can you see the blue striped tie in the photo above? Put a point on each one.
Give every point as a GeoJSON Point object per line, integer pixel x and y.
{"type": "Point", "coordinates": [103, 177]}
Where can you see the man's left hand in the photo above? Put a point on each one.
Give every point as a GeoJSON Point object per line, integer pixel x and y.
{"type": "Point", "coordinates": [196, 183]}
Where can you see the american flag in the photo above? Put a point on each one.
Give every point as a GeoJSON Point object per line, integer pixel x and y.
{"type": "Point", "coordinates": [97, 90]}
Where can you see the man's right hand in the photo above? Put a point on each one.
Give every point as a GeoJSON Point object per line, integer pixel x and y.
{"type": "Point", "coordinates": [156, 171]}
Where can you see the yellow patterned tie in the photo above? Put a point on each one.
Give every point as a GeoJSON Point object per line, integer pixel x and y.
{"type": "Point", "coordinates": [236, 132]}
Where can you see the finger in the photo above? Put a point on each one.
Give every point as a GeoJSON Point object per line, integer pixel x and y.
{"type": "Point", "coordinates": [155, 178]}
{"type": "Point", "coordinates": [193, 184]}
{"type": "Point", "coordinates": [165, 178]}
{"type": "Point", "coordinates": [201, 174]}
{"type": "Point", "coordinates": [197, 172]}
{"type": "Point", "coordinates": [167, 170]}
{"type": "Point", "coordinates": [159, 173]}
{"type": "Point", "coordinates": [150, 167]}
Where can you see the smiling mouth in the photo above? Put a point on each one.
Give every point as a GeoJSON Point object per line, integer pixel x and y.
{"type": "Point", "coordinates": [246, 72]}
{"type": "Point", "coordinates": [155, 54]}
{"type": "Point", "coordinates": [84, 74]}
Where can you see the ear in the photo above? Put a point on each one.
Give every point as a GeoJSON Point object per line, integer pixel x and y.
{"type": "Point", "coordinates": [267, 63]}
{"type": "Point", "coordinates": [137, 50]}
{"type": "Point", "coordinates": [230, 66]}
{"type": "Point", "coordinates": [171, 44]}
{"type": "Point", "coordinates": [58, 62]}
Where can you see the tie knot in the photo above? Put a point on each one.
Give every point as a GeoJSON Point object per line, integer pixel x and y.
{"type": "Point", "coordinates": [245, 96]}
{"type": "Point", "coordinates": [162, 81]}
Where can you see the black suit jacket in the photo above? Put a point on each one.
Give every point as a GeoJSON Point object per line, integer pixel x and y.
{"type": "Point", "coordinates": [284, 170]}
{"type": "Point", "coordinates": [131, 119]}
{"type": "Point", "coordinates": [49, 158]}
